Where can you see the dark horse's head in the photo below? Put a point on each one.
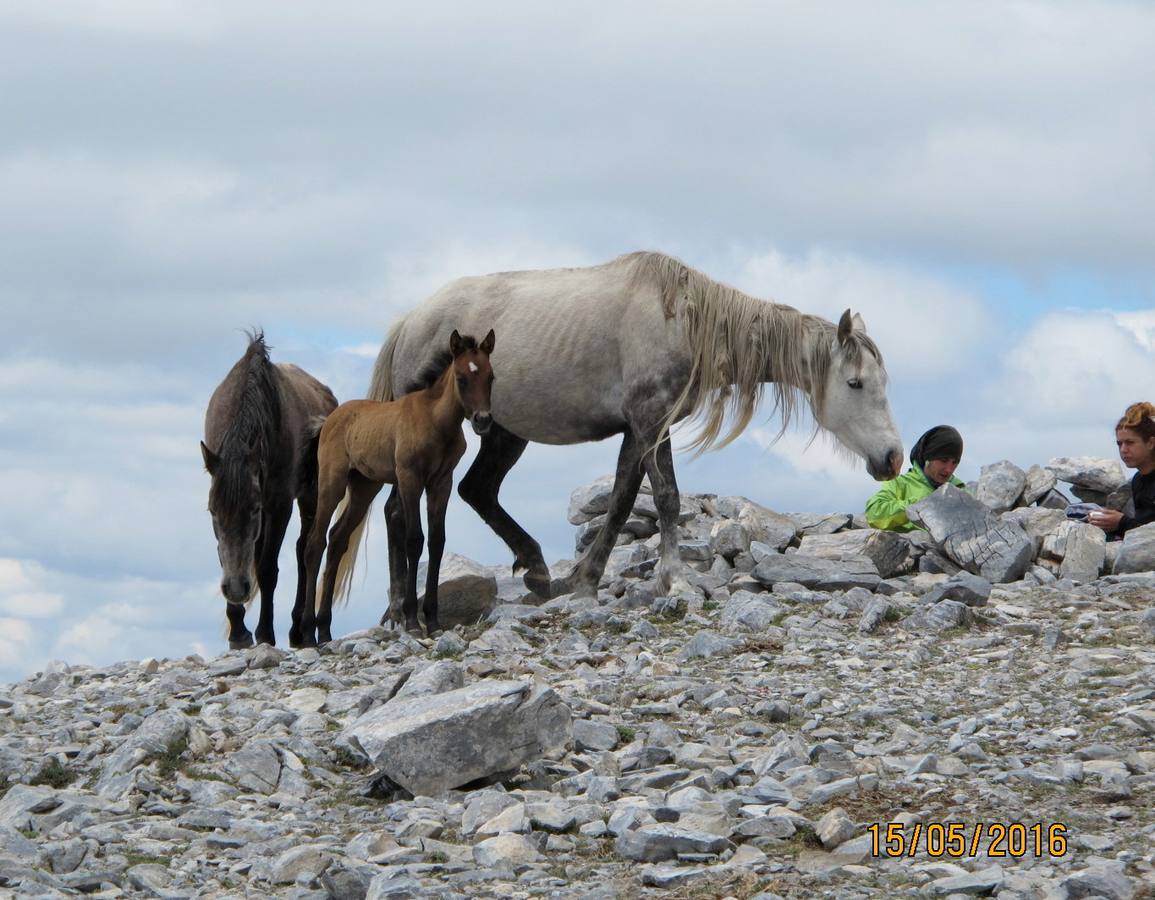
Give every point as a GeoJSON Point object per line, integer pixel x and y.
{"type": "Point", "coordinates": [249, 419]}
{"type": "Point", "coordinates": [473, 378]}
{"type": "Point", "coordinates": [235, 507]}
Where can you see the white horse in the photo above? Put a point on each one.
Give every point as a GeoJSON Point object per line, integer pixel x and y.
{"type": "Point", "coordinates": [630, 348]}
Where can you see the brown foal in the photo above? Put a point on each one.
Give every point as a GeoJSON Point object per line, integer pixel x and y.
{"type": "Point", "coordinates": [413, 442]}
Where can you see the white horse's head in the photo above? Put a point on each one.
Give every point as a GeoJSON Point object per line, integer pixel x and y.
{"type": "Point", "coordinates": [852, 403]}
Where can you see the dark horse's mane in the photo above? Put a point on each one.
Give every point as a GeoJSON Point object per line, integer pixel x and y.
{"type": "Point", "coordinates": [256, 421]}
{"type": "Point", "coordinates": [436, 367]}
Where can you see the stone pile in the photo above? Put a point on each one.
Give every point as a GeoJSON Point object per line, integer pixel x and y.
{"type": "Point", "coordinates": [742, 738]}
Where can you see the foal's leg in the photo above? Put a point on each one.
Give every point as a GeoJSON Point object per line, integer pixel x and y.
{"type": "Point", "coordinates": [410, 487]}
{"type": "Point", "coordinates": [500, 450]}
{"type": "Point", "coordinates": [395, 532]}
{"type": "Point", "coordinates": [361, 494]}
{"type": "Point", "coordinates": [307, 508]}
{"type": "Point", "coordinates": [329, 493]}
{"type": "Point", "coordinates": [588, 572]}
{"type": "Point", "coordinates": [275, 525]}
{"type": "Point", "coordinates": [436, 503]}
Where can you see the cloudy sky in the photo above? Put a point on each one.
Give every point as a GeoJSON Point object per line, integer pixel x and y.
{"type": "Point", "coordinates": [976, 179]}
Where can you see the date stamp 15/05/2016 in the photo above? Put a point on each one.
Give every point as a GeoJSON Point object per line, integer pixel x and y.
{"type": "Point", "coordinates": [956, 840]}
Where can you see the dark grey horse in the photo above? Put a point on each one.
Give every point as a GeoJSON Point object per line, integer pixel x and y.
{"type": "Point", "coordinates": [258, 427]}
{"type": "Point", "coordinates": [630, 348]}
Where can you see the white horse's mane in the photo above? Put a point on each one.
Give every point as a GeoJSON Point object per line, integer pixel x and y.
{"type": "Point", "coordinates": [736, 344]}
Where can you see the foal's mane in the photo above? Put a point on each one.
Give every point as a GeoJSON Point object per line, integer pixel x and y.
{"type": "Point", "coordinates": [736, 342]}
{"type": "Point", "coordinates": [255, 423]}
{"type": "Point", "coordinates": [436, 367]}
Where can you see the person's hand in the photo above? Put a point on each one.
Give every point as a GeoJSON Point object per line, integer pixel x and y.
{"type": "Point", "coordinates": [1107, 519]}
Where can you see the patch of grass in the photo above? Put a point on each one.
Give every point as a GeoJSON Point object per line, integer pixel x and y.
{"type": "Point", "coordinates": [54, 775]}
{"type": "Point", "coordinates": [168, 761]}
{"type": "Point", "coordinates": [626, 734]}
{"type": "Point", "coordinates": [761, 645]}
{"type": "Point", "coordinates": [117, 711]}
{"type": "Point", "coordinates": [782, 617]}
{"type": "Point", "coordinates": [437, 856]}
{"type": "Point", "coordinates": [200, 774]}
{"type": "Point", "coordinates": [895, 614]}
{"type": "Point", "coordinates": [1106, 672]}
{"type": "Point", "coordinates": [710, 606]}
{"type": "Point", "coordinates": [145, 859]}
{"type": "Point", "coordinates": [805, 838]}
{"type": "Point", "coordinates": [347, 759]}
{"type": "Point", "coordinates": [741, 885]}
{"type": "Point", "coordinates": [345, 798]}
{"type": "Point", "coordinates": [29, 833]}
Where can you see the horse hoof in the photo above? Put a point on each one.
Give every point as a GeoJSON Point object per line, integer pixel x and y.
{"type": "Point", "coordinates": [432, 629]}
{"type": "Point", "coordinates": [242, 644]}
{"type": "Point", "coordinates": [539, 581]}
{"type": "Point", "coordinates": [324, 637]}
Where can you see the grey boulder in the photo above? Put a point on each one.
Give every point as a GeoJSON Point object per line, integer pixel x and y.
{"type": "Point", "coordinates": [431, 744]}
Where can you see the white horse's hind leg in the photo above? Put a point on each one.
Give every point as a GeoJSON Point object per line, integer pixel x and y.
{"type": "Point", "coordinates": [672, 572]}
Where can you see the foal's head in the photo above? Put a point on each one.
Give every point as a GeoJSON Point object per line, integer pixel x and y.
{"type": "Point", "coordinates": [235, 507]}
{"type": "Point", "coordinates": [473, 378]}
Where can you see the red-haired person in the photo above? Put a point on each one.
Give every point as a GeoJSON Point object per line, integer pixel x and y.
{"type": "Point", "coordinates": [1135, 437]}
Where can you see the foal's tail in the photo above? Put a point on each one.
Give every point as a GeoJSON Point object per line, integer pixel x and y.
{"type": "Point", "coordinates": [345, 567]}
{"type": "Point", "coordinates": [381, 385]}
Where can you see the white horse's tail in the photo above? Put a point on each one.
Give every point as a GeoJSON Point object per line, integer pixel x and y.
{"type": "Point", "coordinates": [359, 535]}
{"type": "Point", "coordinates": [381, 386]}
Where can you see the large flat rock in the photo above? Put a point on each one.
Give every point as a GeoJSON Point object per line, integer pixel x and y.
{"type": "Point", "coordinates": [430, 744]}
{"type": "Point", "coordinates": [818, 573]}
{"type": "Point", "coordinates": [888, 550]}
{"type": "Point", "coordinates": [1093, 473]}
{"type": "Point", "coordinates": [972, 536]}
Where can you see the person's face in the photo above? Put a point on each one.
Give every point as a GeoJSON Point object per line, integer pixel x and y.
{"type": "Point", "coordinates": [1135, 452]}
{"type": "Point", "coordinates": [939, 471]}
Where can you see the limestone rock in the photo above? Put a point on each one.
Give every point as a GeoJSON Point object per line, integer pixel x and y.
{"type": "Point", "coordinates": [466, 591]}
{"type": "Point", "coordinates": [1000, 485]}
{"type": "Point", "coordinates": [970, 535]}
{"type": "Point", "coordinates": [815, 572]}
{"type": "Point", "coordinates": [1138, 551]}
{"type": "Point", "coordinates": [1093, 473]}
{"type": "Point", "coordinates": [431, 744]}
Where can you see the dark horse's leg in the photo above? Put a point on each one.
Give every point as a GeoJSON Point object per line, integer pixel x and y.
{"type": "Point", "coordinates": [500, 449]}
{"type": "Point", "coordinates": [273, 535]}
{"type": "Point", "coordinates": [436, 503]}
{"type": "Point", "coordinates": [395, 533]}
{"type": "Point", "coordinates": [588, 572]}
{"type": "Point", "coordinates": [240, 637]}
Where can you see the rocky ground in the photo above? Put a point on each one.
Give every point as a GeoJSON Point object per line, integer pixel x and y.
{"type": "Point", "coordinates": [737, 740]}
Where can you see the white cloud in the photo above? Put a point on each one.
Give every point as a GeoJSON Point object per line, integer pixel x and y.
{"type": "Point", "coordinates": [33, 605]}
{"type": "Point", "coordinates": [15, 639]}
{"type": "Point", "coordinates": [1076, 367]}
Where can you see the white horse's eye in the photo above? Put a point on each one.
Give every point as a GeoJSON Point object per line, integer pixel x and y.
{"type": "Point", "coordinates": [854, 384]}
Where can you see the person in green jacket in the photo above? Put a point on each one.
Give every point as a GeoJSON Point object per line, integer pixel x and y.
{"type": "Point", "coordinates": [934, 458]}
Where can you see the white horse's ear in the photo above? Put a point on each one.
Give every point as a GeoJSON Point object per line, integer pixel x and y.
{"type": "Point", "coordinates": [845, 327]}
{"type": "Point", "coordinates": [858, 324]}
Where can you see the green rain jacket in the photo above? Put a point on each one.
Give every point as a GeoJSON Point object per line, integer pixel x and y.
{"type": "Point", "coordinates": [887, 508]}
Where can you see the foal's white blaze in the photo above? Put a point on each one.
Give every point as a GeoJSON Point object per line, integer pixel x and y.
{"type": "Point", "coordinates": [473, 367]}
